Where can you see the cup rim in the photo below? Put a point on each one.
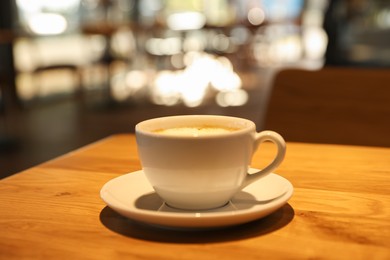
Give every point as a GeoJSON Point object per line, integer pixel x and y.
{"type": "Point", "coordinates": [246, 125]}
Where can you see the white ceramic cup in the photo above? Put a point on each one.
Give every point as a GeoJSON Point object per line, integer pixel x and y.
{"type": "Point", "coordinates": [204, 171]}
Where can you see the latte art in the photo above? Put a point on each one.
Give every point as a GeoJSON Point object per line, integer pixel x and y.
{"type": "Point", "coordinates": [195, 131]}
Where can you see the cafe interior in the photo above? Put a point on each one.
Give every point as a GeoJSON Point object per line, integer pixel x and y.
{"type": "Point", "coordinates": [76, 71]}
{"type": "Point", "coordinates": [88, 172]}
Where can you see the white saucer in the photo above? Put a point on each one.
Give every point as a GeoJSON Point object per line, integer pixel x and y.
{"type": "Point", "coordinates": [132, 196]}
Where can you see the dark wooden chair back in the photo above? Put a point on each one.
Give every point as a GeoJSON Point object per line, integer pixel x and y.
{"type": "Point", "coordinates": [331, 105]}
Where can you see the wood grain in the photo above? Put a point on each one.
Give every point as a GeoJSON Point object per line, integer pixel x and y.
{"type": "Point", "coordinates": [331, 105]}
{"type": "Point", "coordinates": [340, 210]}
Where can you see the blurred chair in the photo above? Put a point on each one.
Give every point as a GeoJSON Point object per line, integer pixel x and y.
{"type": "Point", "coordinates": [50, 71]}
{"type": "Point", "coordinates": [331, 105]}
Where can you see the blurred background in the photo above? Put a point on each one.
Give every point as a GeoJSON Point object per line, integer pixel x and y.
{"type": "Point", "coordinates": [75, 71]}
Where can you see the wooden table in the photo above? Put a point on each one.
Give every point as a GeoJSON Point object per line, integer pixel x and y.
{"type": "Point", "coordinates": [340, 210]}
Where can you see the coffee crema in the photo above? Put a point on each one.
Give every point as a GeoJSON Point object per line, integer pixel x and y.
{"type": "Point", "coordinates": [195, 131]}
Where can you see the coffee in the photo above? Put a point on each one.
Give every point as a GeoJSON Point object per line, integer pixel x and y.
{"type": "Point", "coordinates": [199, 162]}
{"type": "Point", "coordinates": [195, 131]}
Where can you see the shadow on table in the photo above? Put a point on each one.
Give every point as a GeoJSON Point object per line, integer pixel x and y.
{"type": "Point", "coordinates": [130, 228]}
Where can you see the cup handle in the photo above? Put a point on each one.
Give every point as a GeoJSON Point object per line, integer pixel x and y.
{"type": "Point", "coordinates": [281, 145]}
